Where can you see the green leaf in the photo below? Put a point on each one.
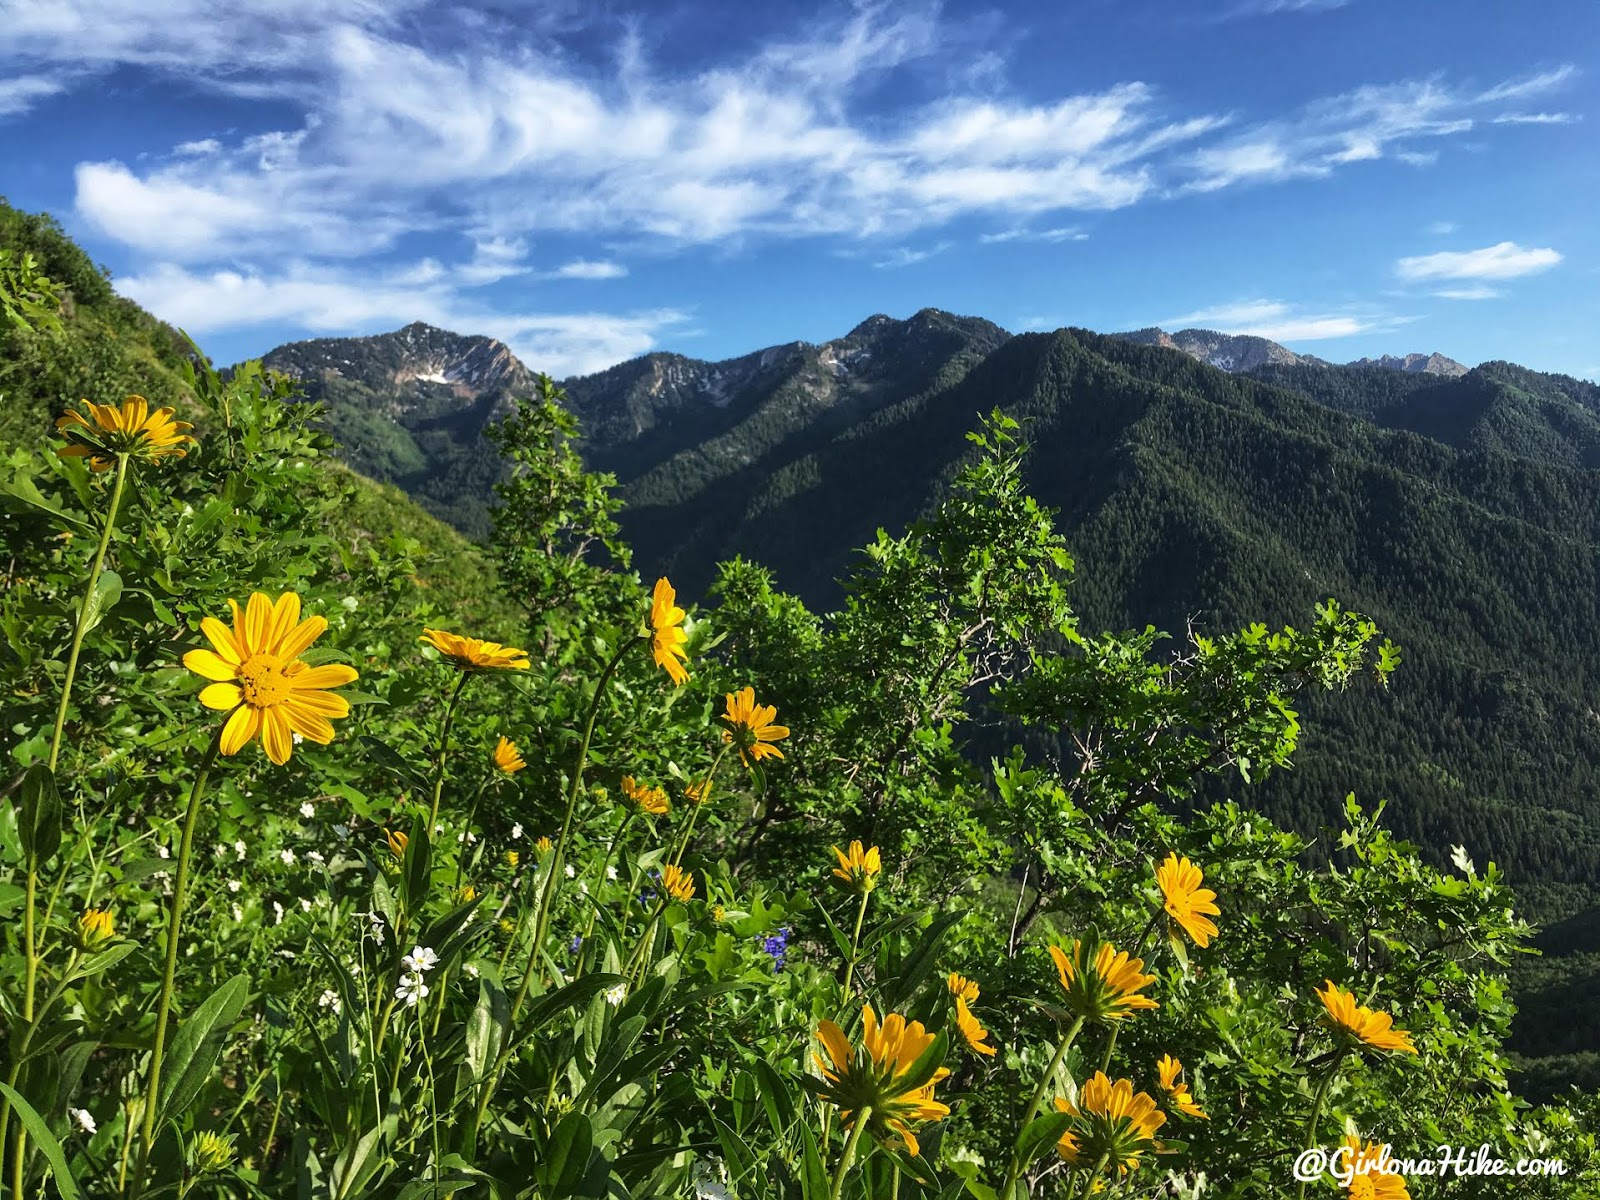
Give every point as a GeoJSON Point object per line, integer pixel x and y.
{"type": "Point", "coordinates": [486, 1029]}
{"type": "Point", "coordinates": [1042, 1133]}
{"type": "Point", "coordinates": [107, 591]}
{"type": "Point", "coordinates": [566, 1157]}
{"type": "Point", "coordinates": [45, 1140]}
{"type": "Point", "coordinates": [40, 818]}
{"type": "Point", "coordinates": [919, 963]}
{"type": "Point", "coordinates": [197, 1046]}
{"type": "Point", "coordinates": [814, 1183]}
{"type": "Point", "coordinates": [418, 864]}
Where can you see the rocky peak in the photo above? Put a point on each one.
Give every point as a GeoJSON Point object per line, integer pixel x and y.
{"type": "Point", "coordinates": [470, 365]}
{"type": "Point", "coordinates": [1415, 364]}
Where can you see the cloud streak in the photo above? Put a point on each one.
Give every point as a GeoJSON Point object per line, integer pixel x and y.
{"type": "Point", "coordinates": [1503, 260]}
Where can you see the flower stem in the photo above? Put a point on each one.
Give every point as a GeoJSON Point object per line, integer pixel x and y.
{"type": "Point", "coordinates": [80, 629]}
{"type": "Point", "coordinates": [688, 827]}
{"type": "Point", "coordinates": [1111, 1044]}
{"type": "Point", "coordinates": [444, 750]}
{"type": "Point", "coordinates": [542, 920]}
{"type": "Point", "coordinates": [855, 942]}
{"type": "Point", "coordinates": [1316, 1112]}
{"type": "Point", "coordinates": [847, 1160]}
{"type": "Point", "coordinates": [1014, 1171]}
{"type": "Point", "coordinates": [169, 972]}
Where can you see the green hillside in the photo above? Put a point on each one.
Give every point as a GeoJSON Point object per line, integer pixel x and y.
{"type": "Point", "coordinates": [107, 348]}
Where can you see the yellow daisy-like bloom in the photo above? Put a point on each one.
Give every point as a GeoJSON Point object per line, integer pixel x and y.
{"type": "Point", "coordinates": [860, 868]}
{"type": "Point", "coordinates": [397, 842]}
{"type": "Point", "coordinates": [698, 793]}
{"type": "Point", "coordinates": [257, 675]}
{"type": "Point", "coordinates": [507, 758]}
{"type": "Point", "coordinates": [975, 1034]}
{"type": "Point", "coordinates": [544, 845]}
{"type": "Point", "coordinates": [678, 884]}
{"type": "Point", "coordinates": [131, 429]}
{"type": "Point", "coordinates": [95, 929]}
{"type": "Point", "coordinates": [1113, 1121]}
{"type": "Point", "coordinates": [892, 1072]}
{"type": "Point", "coordinates": [1107, 988]}
{"type": "Point", "coordinates": [1187, 903]}
{"type": "Point", "coordinates": [962, 987]}
{"type": "Point", "coordinates": [751, 727]}
{"type": "Point", "coordinates": [466, 894]}
{"type": "Point", "coordinates": [667, 637]}
{"type": "Point", "coordinates": [213, 1152]}
{"type": "Point", "coordinates": [1365, 1025]}
{"type": "Point", "coordinates": [649, 799]}
{"type": "Point", "coordinates": [1177, 1091]}
{"type": "Point", "coordinates": [513, 858]}
{"type": "Point", "coordinates": [473, 654]}
{"type": "Point", "coordinates": [1367, 1181]}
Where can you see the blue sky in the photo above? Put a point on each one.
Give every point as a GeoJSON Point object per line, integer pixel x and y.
{"type": "Point", "coordinates": [592, 181]}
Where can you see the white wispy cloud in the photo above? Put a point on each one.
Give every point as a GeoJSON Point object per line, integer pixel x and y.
{"type": "Point", "coordinates": [1064, 233]}
{"type": "Point", "coordinates": [1537, 118]}
{"type": "Point", "coordinates": [583, 268]}
{"type": "Point", "coordinates": [201, 146]}
{"type": "Point", "coordinates": [905, 256]}
{"type": "Point", "coordinates": [20, 94]}
{"type": "Point", "coordinates": [1442, 228]}
{"type": "Point", "coordinates": [1479, 292]}
{"type": "Point", "coordinates": [1279, 321]}
{"type": "Point", "coordinates": [1503, 260]}
{"type": "Point", "coordinates": [326, 301]}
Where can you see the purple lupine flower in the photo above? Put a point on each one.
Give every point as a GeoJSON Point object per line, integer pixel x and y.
{"type": "Point", "coordinates": [577, 941]}
{"type": "Point", "coordinates": [777, 946]}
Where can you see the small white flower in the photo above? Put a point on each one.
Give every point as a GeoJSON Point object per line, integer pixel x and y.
{"type": "Point", "coordinates": [516, 832]}
{"type": "Point", "coordinates": [470, 970]}
{"type": "Point", "coordinates": [297, 738]}
{"type": "Point", "coordinates": [287, 856]}
{"type": "Point", "coordinates": [420, 960]}
{"type": "Point", "coordinates": [277, 913]}
{"type": "Point", "coordinates": [376, 923]}
{"type": "Point", "coordinates": [286, 954]}
{"type": "Point", "coordinates": [234, 885]}
{"type": "Point", "coordinates": [238, 850]}
{"type": "Point", "coordinates": [84, 1121]}
{"type": "Point", "coordinates": [584, 888]}
{"type": "Point", "coordinates": [315, 856]}
{"type": "Point", "coordinates": [411, 990]}
{"type": "Point", "coordinates": [160, 876]}
{"type": "Point", "coordinates": [163, 852]}
{"type": "Point", "coordinates": [438, 829]}
{"type": "Point", "coordinates": [611, 873]}
{"type": "Point", "coordinates": [342, 832]}
{"type": "Point", "coordinates": [572, 871]}
{"type": "Point", "coordinates": [238, 914]}
{"type": "Point", "coordinates": [222, 851]}
{"type": "Point", "coordinates": [472, 838]}
{"type": "Point", "coordinates": [308, 810]}
{"type": "Point", "coordinates": [616, 995]}
{"type": "Point", "coordinates": [330, 999]}
{"type": "Point", "coordinates": [350, 604]}
{"type": "Point", "coordinates": [305, 904]}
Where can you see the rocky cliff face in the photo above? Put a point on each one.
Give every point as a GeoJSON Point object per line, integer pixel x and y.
{"type": "Point", "coordinates": [1415, 364]}
{"type": "Point", "coordinates": [1244, 352]}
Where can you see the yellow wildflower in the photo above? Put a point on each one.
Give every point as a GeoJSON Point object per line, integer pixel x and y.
{"type": "Point", "coordinates": [259, 678]}
{"type": "Point", "coordinates": [131, 429]}
{"type": "Point", "coordinates": [1101, 983]}
{"type": "Point", "coordinates": [1177, 1092]}
{"type": "Point", "coordinates": [95, 929]}
{"type": "Point", "coordinates": [860, 868]}
{"type": "Point", "coordinates": [975, 1034]}
{"type": "Point", "coordinates": [1368, 1180]}
{"type": "Point", "coordinates": [751, 728]}
{"type": "Point", "coordinates": [649, 799]}
{"type": "Point", "coordinates": [1187, 903]}
{"type": "Point", "coordinates": [473, 654]}
{"type": "Point", "coordinates": [1112, 1121]}
{"type": "Point", "coordinates": [1365, 1025]}
{"type": "Point", "coordinates": [667, 636]}
{"type": "Point", "coordinates": [677, 883]}
{"type": "Point", "coordinates": [893, 1072]}
{"type": "Point", "coordinates": [397, 842]}
{"type": "Point", "coordinates": [963, 988]}
{"type": "Point", "coordinates": [507, 758]}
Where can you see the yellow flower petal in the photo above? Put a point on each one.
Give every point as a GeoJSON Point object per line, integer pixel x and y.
{"type": "Point", "coordinates": [241, 727]}
{"type": "Point", "coordinates": [221, 696]}
{"type": "Point", "coordinates": [210, 666]}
